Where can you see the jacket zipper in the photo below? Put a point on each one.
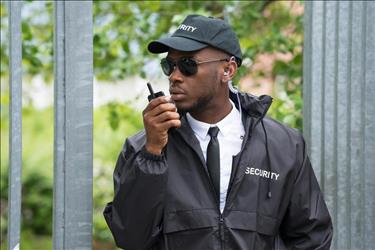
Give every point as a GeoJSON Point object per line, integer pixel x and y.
{"type": "Point", "coordinates": [221, 218]}
{"type": "Point", "coordinates": [221, 223]}
{"type": "Point", "coordinates": [221, 231]}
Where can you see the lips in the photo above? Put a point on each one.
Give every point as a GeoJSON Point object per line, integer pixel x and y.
{"type": "Point", "coordinates": [177, 95]}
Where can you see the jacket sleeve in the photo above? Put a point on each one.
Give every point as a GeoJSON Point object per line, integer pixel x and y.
{"type": "Point", "coordinates": [135, 214]}
{"type": "Point", "coordinates": [307, 223]}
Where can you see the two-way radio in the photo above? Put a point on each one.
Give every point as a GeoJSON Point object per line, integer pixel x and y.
{"type": "Point", "coordinates": [152, 94]}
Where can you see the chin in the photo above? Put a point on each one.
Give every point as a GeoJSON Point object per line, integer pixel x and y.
{"type": "Point", "coordinates": [189, 107]}
{"type": "Point", "coordinates": [181, 107]}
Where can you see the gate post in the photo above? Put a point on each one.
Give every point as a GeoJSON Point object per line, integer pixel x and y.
{"type": "Point", "coordinates": [15, 125]}
{"type": "Point", "coordinates": [339, 113]}
{"type": "Point", "coordinates": [73, 149]}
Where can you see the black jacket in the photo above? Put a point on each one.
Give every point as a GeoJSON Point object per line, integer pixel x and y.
{"type": "Point", "coordinates": [168, 201]}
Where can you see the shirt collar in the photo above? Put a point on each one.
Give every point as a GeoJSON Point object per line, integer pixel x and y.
{"type": "Point", "coordinates": [201, 128]}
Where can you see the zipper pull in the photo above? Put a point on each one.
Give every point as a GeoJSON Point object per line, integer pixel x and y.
{"type": "Point", "coordinates": [221, 227]}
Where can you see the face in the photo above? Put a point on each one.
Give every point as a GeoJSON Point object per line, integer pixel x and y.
{"type": "Point", "coordinates": [202, 90]}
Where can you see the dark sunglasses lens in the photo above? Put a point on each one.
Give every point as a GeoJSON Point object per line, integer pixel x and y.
{"type": "Point", "coordinates": [187, 66]}
{"type": "Point", "coordinates": [167, 66]}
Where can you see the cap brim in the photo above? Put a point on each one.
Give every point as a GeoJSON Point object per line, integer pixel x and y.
{"type": "Point", "coordinates": [178, 43]}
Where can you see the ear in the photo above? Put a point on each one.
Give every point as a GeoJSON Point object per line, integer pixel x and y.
{"type": "Point", "coordinates": [229, 71]}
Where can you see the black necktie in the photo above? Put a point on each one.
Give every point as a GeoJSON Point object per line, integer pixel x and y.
{"type": "Point", "coordinates": [213, 160]}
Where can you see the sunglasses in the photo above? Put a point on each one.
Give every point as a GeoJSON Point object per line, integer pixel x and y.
{"type": "Point", "coordinates": [186, 65]}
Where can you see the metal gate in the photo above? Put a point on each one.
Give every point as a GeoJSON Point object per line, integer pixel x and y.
{"type": "Point", "coordinates": [73, 125]}
{"type": "Point", "coordinates": [339, 114]}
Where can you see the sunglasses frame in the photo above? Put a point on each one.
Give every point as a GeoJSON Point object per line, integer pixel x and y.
{"type": "Point", "coordinates": [181, 63]}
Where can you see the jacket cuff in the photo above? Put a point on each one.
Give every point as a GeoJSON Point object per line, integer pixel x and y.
{"type": "Point", "coordinates": [150, 156]}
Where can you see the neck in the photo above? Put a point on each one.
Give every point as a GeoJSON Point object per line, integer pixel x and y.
{"type": "Point", "coordinates": [214, 113]}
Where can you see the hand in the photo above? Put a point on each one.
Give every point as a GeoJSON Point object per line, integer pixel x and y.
{"type": "Point", "coordinates": [158, 117]}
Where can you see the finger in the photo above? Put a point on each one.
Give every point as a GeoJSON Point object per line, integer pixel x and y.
{"type": "Point", "coordinates": [156, 123]}
{"type": "Point", "coordinates": [161, 108]}
{"type": "Point", "coordinates": [176, 123]}
{"type": "Point", "coordinates": [156, 102]}
{"type": "Point", "coordinates": [165, 116]}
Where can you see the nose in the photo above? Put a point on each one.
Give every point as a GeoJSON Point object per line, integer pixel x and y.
{"type": "Point", "coordinates": [176, 76]}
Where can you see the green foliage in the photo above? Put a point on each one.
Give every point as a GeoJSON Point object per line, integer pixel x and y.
{"type": "Point", "coordinates": [37, 142]}
{"type": "Point", "coordinates": [30, 241]}
{"type": "Point", "coordinates": [108, 143]}
{"type": "Point", "coordinates": [287, 106]}
{"type": "Point", "coordinates": [263, 30]}
{"type": "Point", "coordinates": [122, 30]}
{"type": "Point", "coordinates": [3, 200]}
{"type": "Point", "coordinates": [37, 202]}
{"type": "Point", "coordinates": [4, 49]}
{"type": "Point", "coordinates": [37, 166]}
{"type": "Point", "coordinates": [37, 40]}
{"type": "Point", "coordinates": [119, 112]}
{"type": "Point", "coordinates": [266, 28]}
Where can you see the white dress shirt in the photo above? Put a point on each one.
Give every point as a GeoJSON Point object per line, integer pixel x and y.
{"type": "Point", "coordinates": [230, 136]}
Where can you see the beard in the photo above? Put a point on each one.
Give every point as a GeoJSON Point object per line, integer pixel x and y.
{"type": "Point", "coordinates": [201, 103]}
{"type": "Point", "coordinates": [198, 106]}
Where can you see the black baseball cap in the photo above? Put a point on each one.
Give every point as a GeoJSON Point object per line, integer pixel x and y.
{"type": "Point", "coordinates": [197, 32]}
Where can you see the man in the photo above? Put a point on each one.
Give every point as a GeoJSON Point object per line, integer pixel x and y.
{"type": "Point", "coordinates": [210, 171]}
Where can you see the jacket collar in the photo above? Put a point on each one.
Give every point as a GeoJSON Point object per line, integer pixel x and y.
{"type": "Point", "coordinates": [187, 134]}
{"type": "Point", "coordinates": [252, 105]}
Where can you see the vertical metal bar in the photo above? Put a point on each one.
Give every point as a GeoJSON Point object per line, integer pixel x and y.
{"type": "Point", "coordinates": [307, 61]}
{"type": "Point", "coordinates": [15, 133]}
{"type": "Point", "coordinates": [79, 124]}
{"type": "Point", "coordinates": [59, 127]}
{"type": "Point", "coordinates": [369, 129]}
{"type": "Point", "coordinates": [356, 138]}
{"type": "Point", "coordinates": [73, 125]}
{"type": "Point", "coordinates": [343, 228]}
{"type": "Point", "coordinates": [329, 114]}
{"type": "Point", "coordinates": [317, 62]}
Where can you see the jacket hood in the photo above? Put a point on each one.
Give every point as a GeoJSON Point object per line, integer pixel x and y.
{"type": "Point", "coordinates": [253, 105]}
